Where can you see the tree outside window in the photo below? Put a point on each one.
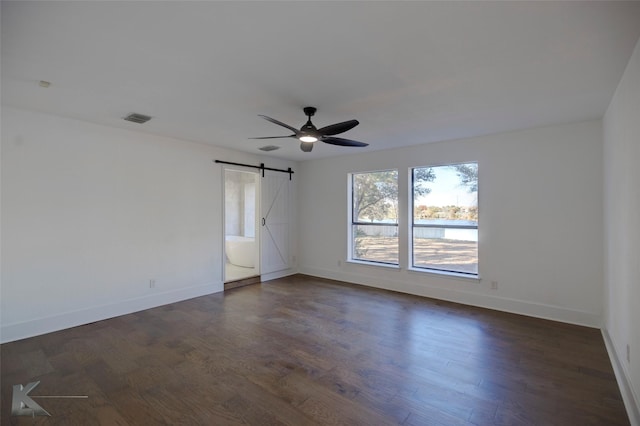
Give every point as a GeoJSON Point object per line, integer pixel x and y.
{"type": "Point", "coordinates": [374, 214]}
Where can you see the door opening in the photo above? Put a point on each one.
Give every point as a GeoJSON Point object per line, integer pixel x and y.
{"type": "Point", "coordinates": [242, 236]}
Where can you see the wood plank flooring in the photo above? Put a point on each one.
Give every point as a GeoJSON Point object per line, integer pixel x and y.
{"type": "Point", "coordinates": [305, 351]}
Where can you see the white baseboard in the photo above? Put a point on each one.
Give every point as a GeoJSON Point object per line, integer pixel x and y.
{"type": "Point", "coordinates": [537, 310]}
{"type": "Point", "coordinates": [38, 326]}
{"type": "Point", "coordinates": [630, 398]}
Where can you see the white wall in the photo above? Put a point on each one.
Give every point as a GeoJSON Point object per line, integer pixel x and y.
{"type": "Point", "coordinates": [540, 224]}
{"type": "Point", "coordinates": [91, 213]}
{"type": "Point", "coordinates": [621, 126]}
{"type": "Point", "coordinates": [233, 199]}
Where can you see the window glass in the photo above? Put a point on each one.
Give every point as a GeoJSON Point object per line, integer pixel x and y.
{"type": "Point", "coordinates": [445, 218]}
{"type": "Point", "coordinates": [374, 216]}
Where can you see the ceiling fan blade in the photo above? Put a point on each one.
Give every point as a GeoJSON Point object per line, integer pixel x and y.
{"type": "Point", "coordinates": [274, 137]}
{"type": "Point", "coordinates": [280, 123]}
{"type": "Point", "coordinates": [306, 146]}
{"type": "Point", "coordinates": [338, 128]}
{"type": "Point", "coordinates": [343, 142]}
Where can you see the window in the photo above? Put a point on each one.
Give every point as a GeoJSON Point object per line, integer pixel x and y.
{"type": "Point", "coordinates": [445, 218]}
{"type": "Point", "coordinates": [374, 217]}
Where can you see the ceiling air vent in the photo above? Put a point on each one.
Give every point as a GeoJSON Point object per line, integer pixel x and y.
{"type": "Point", "coordinates": [269, 148]}
{"type": "Point", "coordinates": [137, 118]}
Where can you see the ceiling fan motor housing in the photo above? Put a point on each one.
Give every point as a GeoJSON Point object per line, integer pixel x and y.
{"type": "Point", "coordinates": [308, 127]}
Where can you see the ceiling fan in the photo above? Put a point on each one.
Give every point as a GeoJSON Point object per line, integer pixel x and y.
{"type": "Point", "coordinates": [308, 134]}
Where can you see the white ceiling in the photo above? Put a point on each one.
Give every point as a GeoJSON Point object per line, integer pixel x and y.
{"type": "Point", "coordinates": [410, 72]}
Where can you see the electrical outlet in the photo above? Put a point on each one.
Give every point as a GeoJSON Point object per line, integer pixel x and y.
{"type": "Point", "coordinates": [494, 285]}
{"type": "Point", "coordinates": [293, 259]}
{"type": "Point", "coordinates": [628, 353]}
{"type": "Point", "coordinates": [339, 263]}
{"type": "Point", "coordinates": [152, 283]}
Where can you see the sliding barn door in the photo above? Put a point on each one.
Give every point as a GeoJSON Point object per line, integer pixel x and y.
{"type": "Point", "coordinates": [275, 222]}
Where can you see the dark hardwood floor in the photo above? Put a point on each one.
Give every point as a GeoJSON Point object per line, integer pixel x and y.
{"type": "Point", "coordinates": [305, 351]}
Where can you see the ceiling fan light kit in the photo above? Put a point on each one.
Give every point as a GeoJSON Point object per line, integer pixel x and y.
{"type": "Point", "coordinates": [309, 134]}
{"type": "Point", "coordinates": [308, 138]}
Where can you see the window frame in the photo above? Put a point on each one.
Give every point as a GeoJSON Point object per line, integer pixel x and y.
{"type": "Point", "coordinates": [353, 222]}
{"type": "Point", "coordinates": [412, 226]}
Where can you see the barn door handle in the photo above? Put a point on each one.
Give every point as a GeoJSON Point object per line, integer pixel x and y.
{"type": "Point", "coordinates": [264, 222]}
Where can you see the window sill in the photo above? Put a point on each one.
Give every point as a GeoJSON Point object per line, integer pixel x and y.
{"type": "Point", "coordinates": [379, 265]}
{"type": "Point", "coordinates": [446, 274]}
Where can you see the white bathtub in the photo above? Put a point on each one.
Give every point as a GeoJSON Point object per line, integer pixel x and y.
{"type": "Point", "coordinates": [241, 251]}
